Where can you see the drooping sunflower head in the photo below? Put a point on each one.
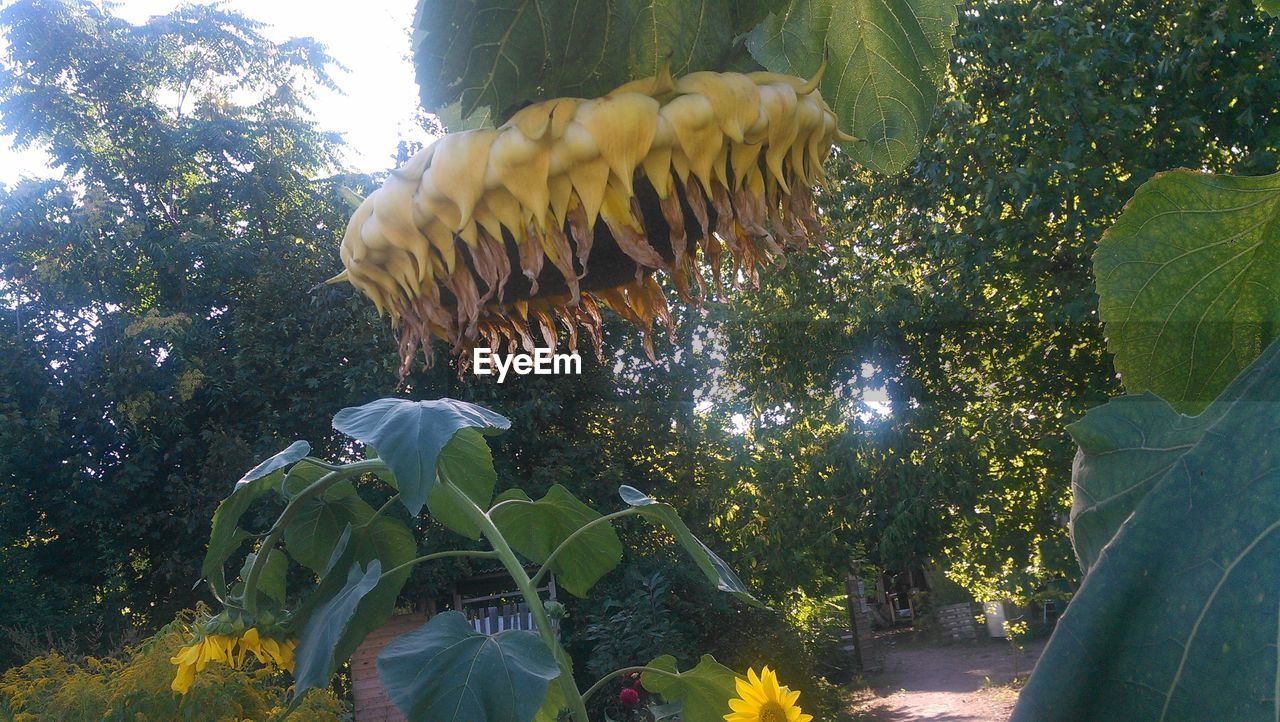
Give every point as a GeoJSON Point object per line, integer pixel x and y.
{"type": "Point", "coordinates": [509, 236]}
{"type": "Point", "coordinates": [230, 649]}
{"type": "Point", "coordinates": [761, 699]}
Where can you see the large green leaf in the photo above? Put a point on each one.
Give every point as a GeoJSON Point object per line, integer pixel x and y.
{"type": "Point", "coordinates": [1177, 618]}
{"type": "Point", "coordinates": [887, 58]}
{"type": "Point", "coordinates": [703, 692]}
{"type": "Point", "coordinates": [271, 580]}
{"type": "Point", "coordinates": [468, 464]}
{"type": "Point", "coordinates": [553, 704]}
{"type": "Point", "coordinates": [886, 61]}
{"type": "Point", "coordinates": [445, 671]}
{"type": "Point", "coordinates": [664, 515]}
{"type": "Point", "coordinates": [226, 535]}
{"type": "Point", "coordinates": [408, 436]}
{"type": "Point", "coordinates": [537, 528]}
{"type": "Point", "coordinates": [317, 655]}
{"type": "Point", "coordinates": [384, 540]}
{"type": "Point", "coordinates": [1271, 7]}
{"type": "Point", "coordinates": [794, 40]}
{"type": "Point", "coordinates": [1186, 283]}
{"type": "Point", "coordinates": [315, 528]}
{"type": "Point", "coordinates": [691, 34]}
{"type": "Point", "coordinates": [1126, 447]}
{"type": "Point", "coordinates": [499, 54]}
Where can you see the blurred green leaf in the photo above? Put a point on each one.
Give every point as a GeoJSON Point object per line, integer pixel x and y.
{"type": "Point", "coordinates": [1176, 618]}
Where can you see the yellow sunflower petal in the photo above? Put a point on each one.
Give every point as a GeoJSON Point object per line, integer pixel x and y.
{"type": "Point", "coordinates": [182, 680]}
{"type": "Point", "coordinates": [749, 691]}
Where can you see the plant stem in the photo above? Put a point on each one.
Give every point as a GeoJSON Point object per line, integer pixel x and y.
{"type": "Point", "coordinates": [618, 672]}
{"type": "Point", "coordinates": [546, 566]}
{"type": "Point", "coordinates": [381, 510]}
{"type": "Point", "coordinates": [317, 488]}
{"type": "Point", "coordinates": [529, 591]}
{"type": "Point", "coordinates": [440, 555]}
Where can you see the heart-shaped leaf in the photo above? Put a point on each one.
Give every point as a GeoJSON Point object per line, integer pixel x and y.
{"type": "Point", "coordinates": [1185, 283]}
{"type": "Point", "coordinates": [1176, 619]}
{"type": "Point", "coordinates": [408, 436]}
{"type": "Point", "coordinates": [664, 515]}
{"type": "Point", "coordinates": [537, 528]}
{"type": "Point", "coordinates": [226, 535]}
{"type": "Point", "coordinates": [315, 528]}
{"type": "Point", "coordinates": [445, 671]}
{"type": "Point", "coordinates": [703, 692]}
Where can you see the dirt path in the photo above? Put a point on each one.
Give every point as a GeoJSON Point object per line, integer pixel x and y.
{"type": "Point", "coordinates": [946, 683]}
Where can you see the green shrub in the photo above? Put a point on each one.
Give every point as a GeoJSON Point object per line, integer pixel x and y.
{"type": "Point", "coordinates": [653, 606]}
{"type": "Point", "coordinates": [134, 685]}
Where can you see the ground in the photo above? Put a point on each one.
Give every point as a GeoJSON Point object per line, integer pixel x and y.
{"type": "Point", "coordinates": [958, 682]}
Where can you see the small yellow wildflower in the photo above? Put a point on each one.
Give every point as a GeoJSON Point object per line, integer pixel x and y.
{"type": "Point", "coordinates": [194, 657]}
{"type": "Point", "coordinates": [760, 699]}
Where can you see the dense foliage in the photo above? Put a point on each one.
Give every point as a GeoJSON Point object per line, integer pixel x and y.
{"type": "Point", "coordinates": [134, 685]}
{"type": "Point", "coordinates": [170, 270]}
{"type": "Point", "coordinates": [158, 332]}
{"type": "Point", "coordinates": [963, 287]}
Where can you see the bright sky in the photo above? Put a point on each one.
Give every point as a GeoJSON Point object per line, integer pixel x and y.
{"type": "Point", "coordinates": [370, 37]}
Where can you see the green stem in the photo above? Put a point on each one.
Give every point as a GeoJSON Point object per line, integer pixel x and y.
{"type": "Point", "coordinates": [529, 591]}
{"type": "Point", "coordinates": [546, 565]}
{"type": "Point", "coordinates": [320, 463]}
{"type": "Point", "coordinates": [381, 510]}
{"type": "Point", "coordinates": [440, 555]}
{"type": "Point", "coordinates": [619, 672]}
{"type": "Point", "coordinates": [313, 491]}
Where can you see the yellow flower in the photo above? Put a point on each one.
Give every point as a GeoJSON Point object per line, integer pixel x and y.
{"type": "Point", "coordinates": [197, 655]}
{"type": "Point", "coordinates": [760, 699]}
{"type": "Point", "coordinates": [231, 651]}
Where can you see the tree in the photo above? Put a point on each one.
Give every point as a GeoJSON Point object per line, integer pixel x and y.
{"type": "Point", "coordinates": [964, 285]}
{"type": "Point", "coordinates": [158, 329]}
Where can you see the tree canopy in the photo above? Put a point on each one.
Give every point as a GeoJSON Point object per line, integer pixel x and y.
{"type": "Point", "coordinates": [160, 332]}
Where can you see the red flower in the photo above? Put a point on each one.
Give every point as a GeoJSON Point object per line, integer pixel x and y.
{"type": "Point", "coordinates": [629, 697]}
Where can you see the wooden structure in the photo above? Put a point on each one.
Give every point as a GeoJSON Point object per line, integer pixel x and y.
{"type": "Point", "coordinates": [371, 701]}
{"type": "Point", "coordinates": [485, 599]}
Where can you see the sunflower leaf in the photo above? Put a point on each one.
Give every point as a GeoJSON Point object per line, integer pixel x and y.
{"type": "Point", "coordinates": [704, 691]}
{"type": "Point", "coordinates": [409, 436]}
